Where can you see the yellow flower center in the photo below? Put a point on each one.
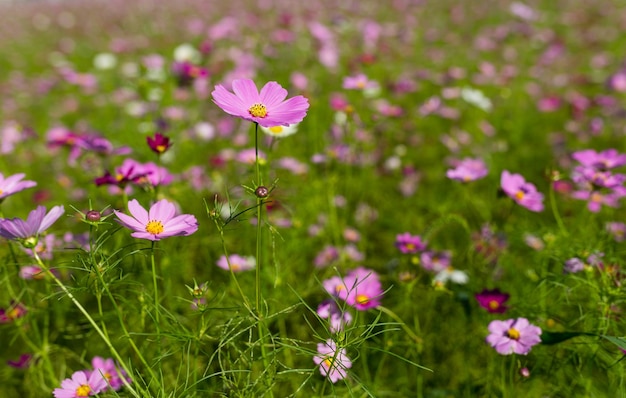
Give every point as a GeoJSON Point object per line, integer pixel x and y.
{"type": "Point", "coordinates": [274, 130]}
{"type": "Point", "coordinates": [339, 288]}
{"type": "Point", "coordinates": [1, 191]}
{"type": "Point", "coordinates": [410, 246]}
{"type": "Point", "coordinates": [328, 362]}
{"type": "Point", "coordinates": [154, 227]}
{"type": "Point", "coordinates": [519, 195]}
{"type": "Point", "coordinates": [258, 110]}
{"type": "Point", "coordinates": [161, 148]}
{"type": "Point", "coordinates": [14, 313]}
{"type": "Point", "coordinates": [362, 299]}
{"type": "Point", "coordinates": [235, 267]}
{"type": "Point", "coordinates": [119, 177]}
{"type": "Point", "coordinates": [493, 305]}
{"type": "Point", "coordinates": [513, 333]}
{"type": "Point", "coordinates": [83, 391]}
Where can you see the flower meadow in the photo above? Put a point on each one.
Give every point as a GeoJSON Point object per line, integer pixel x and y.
{"type": "Point", "coordinates": [312, 199]}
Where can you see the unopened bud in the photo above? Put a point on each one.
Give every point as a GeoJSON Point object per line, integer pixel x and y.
{"type": "Point", "coordinates": [262, 192]}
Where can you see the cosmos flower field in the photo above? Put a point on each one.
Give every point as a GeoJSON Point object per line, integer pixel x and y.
{"type": "Point", "coordinates": [312, 199]}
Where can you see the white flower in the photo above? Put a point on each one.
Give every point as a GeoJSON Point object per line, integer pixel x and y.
{"type": "Point", "coordinates": [187, 52]}
{"type": "Point", "coordinates": [104, 61]}
{"type": "Point", "coordinates": [450, 274]}
{"type": "Point", "coordinates": [476, 98]}
{"type": "Point", "coordinates": [280, 131]}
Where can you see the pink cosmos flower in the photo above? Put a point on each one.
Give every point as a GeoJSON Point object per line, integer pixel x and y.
{"type": "Point", "coordinates": [13, 184]}
{"type": "Point", "coordinates": [513, 336]}
{"type": "Point", "coordinates": [359, 82]}
{"type": "Point", "coordinates": [268, 108]}
{"type": "Point", "coordinates": [333, 361]}
{"type": "Point", "coordinates": [522, 192]}
{"type": "Point", "coordinates": [237, 263]}
{"type": "Point", "coordinates": [110, 372]}
{"type": "Point", "coordinates": [157, 223]}
{"type": "Point", "coordinates": [360, 289]}
{"type": "Point", "coordinates": [81, 385]}
{"type": "Point", "coordinates": [468, 169]}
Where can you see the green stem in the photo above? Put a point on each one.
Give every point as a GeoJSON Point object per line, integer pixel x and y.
{"type": "Point", "coordinates": [156, 295]}
{"type": "Point", "coordinates": [93, 323]}
{"type": "Point", "coordinates": [555, 211]}
{"type": "Point", "coordinates": [400, 322]}
{"type": "Point", "coordinates": [258, 295]}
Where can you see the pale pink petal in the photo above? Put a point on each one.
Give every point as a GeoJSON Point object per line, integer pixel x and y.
{"type": "Point", "coordinates": [138, 212]}
{"type": "Point", "coordinates": [272, 94]}
{"type": "Point", "coordinates": [247, 91]}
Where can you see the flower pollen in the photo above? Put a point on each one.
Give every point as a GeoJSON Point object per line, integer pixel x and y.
{"type": "Point", "coordinates": [83, 390]}
{"type": "Point", "coordinates": [258, 110]}
{"type": "Point", "coordinates": [154, 227]}
{"type": "Point", "coordinates": [513, 334]}
{"type": "Point", "coordinates": [493, 305]}
{"type": "Point", "coordinates": [273, 129]}
{"type": "Point", "coordinates": [362, 299]}
{"type": "Point", "coordinates": [519, 195]}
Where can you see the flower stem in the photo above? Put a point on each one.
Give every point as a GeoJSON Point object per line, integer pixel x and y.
{"type": "Point", "coordinates": [95, 326]}
{"type": "Point", "coordinates": [156, 294]}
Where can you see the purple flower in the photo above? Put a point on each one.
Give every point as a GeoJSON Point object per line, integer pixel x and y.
{"type": "Point", "coordinates": [236, 263]}
{"type": "Point", "coordinates": [333, 361]}
{"type": "Point", "coordinates": [23, 362]}
{"type": "Point", "coordinates": [468, 169]}
{"type": "Point", "coordinates": [13, 184]}
{"type": "Point", "coordinates": [36, 223]}
{"type": "Point", "coordinates": [513, 336]}
{"type": "Point", "coordinates": [107, 369]}
{"type": "Point", "coordinates": [157, 223]}
{"type": "Point", "coordinates": [617, 230]}
{"type": "Point", "coordinates": [326, 256]}
{"type": "Point", "coordinates": [522, 192]}
{"type": "Point", "coordinates": [268, 108]}
{"type": "Point", "coordinates": [492, 300]}
{"type": "Point", "coordinates": [573, 265]}
{"type": "Point", "coordinates": [81, 385]}
{"type": "Point", "coordinates": [436, 261]}
{"type": "Point", "coordinates": [337, 318]}
{"type": "Point", "coordinates": [409, 244]}
{"type": "Point", "coordinates": [130, 171]}
{"type": "Point", "coordinates": [604, 160]}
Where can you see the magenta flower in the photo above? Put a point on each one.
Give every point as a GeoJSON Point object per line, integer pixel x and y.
{"type": "Point", "coordinates": [236, 263]}
{"type": "Point", "coordinates": [36, 223]}
{"type": "Point", "coordinates": [522, 192]}
{"type": "Point", "coordinates": [513, 336]}
{"type": "Point", "coordinates": [130, 171]}
{"type": "Point", "coordinates": [159, 144]}
{"type": "Point", "coordinates": [409, 244]}
{"type": "Point", "coordinates": [605, 160]}
{"type": "Point", "coordinates": [436, 261]}
{"type": "Point", "coordinates": [157, 223]}
{"type": "Point", "coordinates": [267, 108]}
{"type": "Point", "coordinates": [15, 311]}
{"type": "Point", "coordinates": [468, 169]}
{"type": "Point", "coordinates": [333, 361]}
{"type": "Point", "coordinates": [110, 373]}
{"type": "Point", "coordinates": [81, 385]}
{"type": "Point", "coordinates": [492, 300]}
{"type": "Point", "coordinates": [13, 184]}
{"type": "Point", "coordinates": [23, 362]}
